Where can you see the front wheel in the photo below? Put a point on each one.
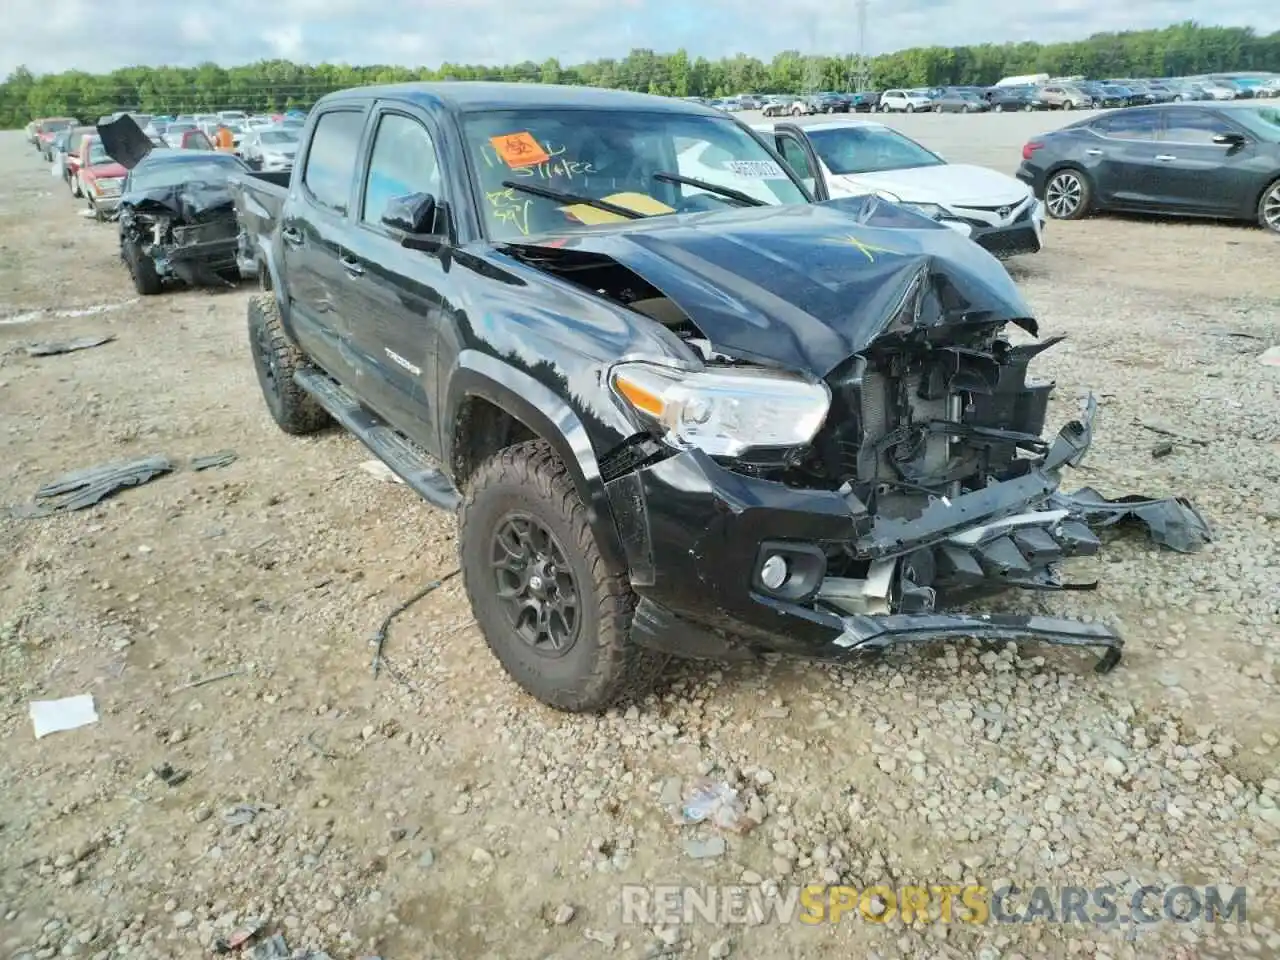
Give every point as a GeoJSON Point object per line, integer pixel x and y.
{"type": "Point", "coordinates": [142, 269]}
{"type": "Point", "coordinates": [797, 112]}
{"type": "Point", "coordinates": [1269, 208]}
{"type": "Point", "coordinates": [911, 108]}
{"type": "Point", "coordinates": [551, 612]}
{"type": "Point", "coordinates": [1067, 195]}
{"type": "Point", "coordinates": [998, 108]}
{"type": "Point", "coordinates": [1067, 105]}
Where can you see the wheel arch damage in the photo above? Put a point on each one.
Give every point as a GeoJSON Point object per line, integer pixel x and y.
{"type": "Point", "coordinates": [493, 404]}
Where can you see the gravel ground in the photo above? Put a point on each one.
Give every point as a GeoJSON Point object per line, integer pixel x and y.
{"type": "Point", "coordinates": [436, 812]}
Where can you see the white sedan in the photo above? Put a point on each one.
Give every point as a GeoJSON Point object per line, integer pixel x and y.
{"type": "Point", "coordinates": [855, 157]}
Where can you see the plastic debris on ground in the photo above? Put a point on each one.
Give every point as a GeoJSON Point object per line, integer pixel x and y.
{"type": "Point", "coordinates": [69, 713]}
{"type": "Point", "coordinates": [222, 458]}
{"type": "Point", "coordinates": [81, 489]}
{"type": "Point", "coordinates": [52, 348]}
{"type": "Point", "coordinates": [242, 814]}
{"type": "Point", "coordinates": [1270, 357]}
{"type": "Point", "coordinates": [708, 801]}
{"type": "Point", "coordinates": [380, 471]}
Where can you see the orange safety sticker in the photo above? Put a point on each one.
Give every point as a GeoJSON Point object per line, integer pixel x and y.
{"type": "Point", "coordinates": [519, 149]}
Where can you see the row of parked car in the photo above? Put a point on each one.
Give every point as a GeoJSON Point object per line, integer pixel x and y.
{"type": "Point", "coordinates": [1038, 94]}
{"type": "Point", "coordinates": [167, 182]}
{"type": "Point", "coordinates": [79, 158]}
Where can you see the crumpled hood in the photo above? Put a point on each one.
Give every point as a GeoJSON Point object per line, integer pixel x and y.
{"type": "Point", "coordinates": [958, 183]}
{"type": "Point", "coordinates": [188, 202]}
{"type": "Point", "coordinates": [805, 286]}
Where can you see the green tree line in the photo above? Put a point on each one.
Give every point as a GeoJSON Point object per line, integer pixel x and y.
{"type": "Point", "coordinates": [1182, 49]}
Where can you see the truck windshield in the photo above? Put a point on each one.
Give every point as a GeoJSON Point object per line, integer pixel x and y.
{"type": "Point", "coordinates": [613, 155]}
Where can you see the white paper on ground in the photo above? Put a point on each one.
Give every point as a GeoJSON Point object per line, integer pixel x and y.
{"type": "Point", "coordinates": [51, 716]}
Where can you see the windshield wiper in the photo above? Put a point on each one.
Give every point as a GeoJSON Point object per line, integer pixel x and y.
{"type": "Point", "coordinates": [563, 197]}
{"type": "Point", "coordinates": [728, 192]}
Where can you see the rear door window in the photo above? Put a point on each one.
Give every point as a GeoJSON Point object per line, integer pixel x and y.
{"type": "Point", "coordinates": [331, 158]}
{"type": "Point", "coordinates": [1130, 125]}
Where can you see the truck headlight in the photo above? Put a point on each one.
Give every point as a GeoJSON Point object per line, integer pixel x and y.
{"type": "Point", "coordinates": [724, 412]}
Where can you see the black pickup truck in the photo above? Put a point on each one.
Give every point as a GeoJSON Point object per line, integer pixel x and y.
{"type": "Point", "coordinates": [692, 415]}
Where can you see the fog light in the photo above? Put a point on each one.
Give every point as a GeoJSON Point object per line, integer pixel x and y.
{"type": "Point", "coordinates": [773, 572]}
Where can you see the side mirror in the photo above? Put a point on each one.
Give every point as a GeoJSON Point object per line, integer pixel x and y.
{"type": "Point", "coordinates": [1230, 140]}
{"type": "Point", "coordinates": [414, 214]}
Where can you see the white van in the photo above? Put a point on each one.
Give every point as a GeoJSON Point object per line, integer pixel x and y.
{"type": "Point", "coordinates": [1030, 80]}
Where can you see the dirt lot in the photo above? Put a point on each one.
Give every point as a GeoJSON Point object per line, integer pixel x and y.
{"type": "Point", "coordinates": [436, 812]}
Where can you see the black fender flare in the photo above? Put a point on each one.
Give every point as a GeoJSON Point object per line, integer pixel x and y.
{"type": "Point", "coordinates": [553, 420]}
{"type": "Point", "coordinates": [269, 269]}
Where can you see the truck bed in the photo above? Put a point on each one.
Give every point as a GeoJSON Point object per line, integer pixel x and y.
{"type": "Point", "coordinates": [259, 198]}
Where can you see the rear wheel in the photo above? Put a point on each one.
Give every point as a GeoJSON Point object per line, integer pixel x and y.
{"type": "Point", "coordinates": [1067, 194]}
{"type": "Point", "coordinates": [1027, 108]}
{"type": "Point", "coordinates": [998, 108]}
{"type": "Point", "coordinates": [1269, 208]}
{"type": "Point", "coordinates": [276, 358]}
{"type": "Point", "coordinates": [551, 612]}
{"type": "Point", "coordinates": [797, 112]}
{"type": "Point", "coordinates": [1067, 105]}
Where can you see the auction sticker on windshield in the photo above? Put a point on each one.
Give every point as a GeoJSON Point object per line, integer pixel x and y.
{"type": "Point", "coordinates": [756, 169]}
{"type": "Point", "coordinates": [519, 149]}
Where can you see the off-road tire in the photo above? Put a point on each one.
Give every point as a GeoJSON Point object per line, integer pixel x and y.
{"type": "Point", "coordinates": [142, 269]}
{"type": "Point", "coordinates": [275, 359]}
{"type": "Point", "coordinates": [604, 663]}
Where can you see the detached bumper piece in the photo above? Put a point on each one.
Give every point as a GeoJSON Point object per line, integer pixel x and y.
{"type": "Point", "coordinates": [865, 634]}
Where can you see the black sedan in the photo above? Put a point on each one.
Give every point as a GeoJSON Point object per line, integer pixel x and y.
{"type": "Point", "coordinates": [1004, 99]}
{"type": "Point", "coordinates": [1179, 159]}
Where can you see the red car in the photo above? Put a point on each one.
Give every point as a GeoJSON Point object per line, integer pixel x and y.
{"type": "Point", "coordinates": [100, 178]}
{"type": "Point", "coordinates": [78, 136]}
{"type": "Point", "coordinates": [48, 128]}
{"type": "Point", "coordinates": [196, 140]}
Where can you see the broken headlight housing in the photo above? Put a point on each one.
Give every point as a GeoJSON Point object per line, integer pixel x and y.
{"type": "Point", "coordinates": [724, 412]}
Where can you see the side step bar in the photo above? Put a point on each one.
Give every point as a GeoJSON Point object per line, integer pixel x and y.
{"type": "Point", "coordinates": [402, 455]}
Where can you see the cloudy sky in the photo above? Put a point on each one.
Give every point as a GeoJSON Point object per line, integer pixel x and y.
{"type": "Point", "coordinates": [57, 35]}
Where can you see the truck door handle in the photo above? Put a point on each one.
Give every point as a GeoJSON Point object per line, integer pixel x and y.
{"type": "Point", "coordinates": [351, 266]}
{"type": "Point", "coordinates": [1094, 153]}
{"type": "Point", "coordinates": [291, 235]}
{"type": "Point", "coordinates": [1165, 157]}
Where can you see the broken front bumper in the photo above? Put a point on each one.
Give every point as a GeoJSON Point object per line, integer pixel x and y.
{"type": "Point", "coordinates": [698, 536]}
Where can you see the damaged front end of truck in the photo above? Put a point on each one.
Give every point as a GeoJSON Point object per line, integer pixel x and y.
{"type": "Point", "coordinates": [856, 446]}
{"type": "Point", "coordinates": [177, 212]}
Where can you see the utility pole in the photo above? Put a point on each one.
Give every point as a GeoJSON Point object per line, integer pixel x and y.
{"type": "Point", "coordinates": [862, 69]}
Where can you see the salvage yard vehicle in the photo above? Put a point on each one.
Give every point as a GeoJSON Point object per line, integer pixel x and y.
{"type": "Point", "coordinates": [844, 158]}
{"type": "Point", "coordinates": [100, 178]}
{"type": "Point", "coordinates": [904, 101]}
{"type": "Point", "coordinates": [1180, 159]}
{"type": "Point", "coordinates": [1004, 99]}
{"type": "Point", "coordinates": [673, 417]}
{"type": "Point", "coordinates": [272, 148]}
{"type": "Point", "coordinates": [177, 218]}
